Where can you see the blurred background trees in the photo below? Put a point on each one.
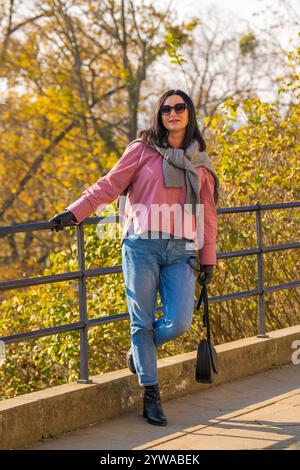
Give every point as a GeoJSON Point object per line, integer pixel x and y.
{"type": "Point", "coordinates": [81, 78]}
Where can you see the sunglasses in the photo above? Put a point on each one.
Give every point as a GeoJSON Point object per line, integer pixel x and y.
{"type": "Point", "coordinates": [179, 108]}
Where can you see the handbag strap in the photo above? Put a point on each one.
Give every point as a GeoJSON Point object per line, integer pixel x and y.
{"type": "Point", "coordinates": [203, 298]}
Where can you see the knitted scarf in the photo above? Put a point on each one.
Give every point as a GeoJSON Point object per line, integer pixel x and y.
{"type": "Point", "coordinates": [179, 164]}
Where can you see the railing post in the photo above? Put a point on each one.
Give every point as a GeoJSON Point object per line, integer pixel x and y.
{"type": "Point", "coordinates": [84, 347]}
{"type": "Point", "coordinates": [260, 270]}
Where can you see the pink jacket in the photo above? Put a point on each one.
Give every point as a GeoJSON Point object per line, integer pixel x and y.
{"type": "Point", "coordinates": [140, 169]}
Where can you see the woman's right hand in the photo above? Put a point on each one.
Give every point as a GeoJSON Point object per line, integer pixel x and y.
{"type": "Point", "coordinates": [63, 219]}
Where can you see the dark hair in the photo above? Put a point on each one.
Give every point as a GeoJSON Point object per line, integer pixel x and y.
{"type": "Point", "coordinates": [158, 134]}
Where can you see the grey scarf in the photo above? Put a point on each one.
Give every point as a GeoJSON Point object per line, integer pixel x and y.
{"type": "Point", "coordinates": [179, 164]}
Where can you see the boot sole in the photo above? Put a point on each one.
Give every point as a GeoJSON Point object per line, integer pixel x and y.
{"type": "Point", "coordinates": [157, 423]}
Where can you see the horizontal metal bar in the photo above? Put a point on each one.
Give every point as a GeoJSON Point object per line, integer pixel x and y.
{"type": "Point", "coordinates": [37, 281]}
{"type": "Point", "coordinates": [213, 299]}
{"type": "Point", "coordinates": [235, 254]}
{"type": "Point", "coordinates": [103, 271]}
{"type": "Point", "coordinates": [256, 251]}
{"type": "Point", "coordinates": [261, 207]}
{"type": "Point", "coordinates": [111, 219]}
{"type": "Point", "coordinates": [284, 246]}
{"type": "Point", "coordinates": [30, 227]}
{"type": "Point", "coordinates": [242, 294]}
{"type": "Point", "coordinates": [236, 210]}
{"type": "Point", "coordinates": [279, 205]}
{"type": "Point", "coordinates": [125, 316]}
{"type": "Point", "coordinates": [109, 319]}
{"type": "Point", "coordinates": [233, 295]}
{"type": "Point", "coordinates": [286, 285]}
{"type": "Point", "coordinates": [17, 338]}
{"type": "Point", "coordinates": [33, 226]}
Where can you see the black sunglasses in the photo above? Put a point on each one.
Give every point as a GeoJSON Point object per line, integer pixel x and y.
{"type": "Point", "coordinates": [179, 108]}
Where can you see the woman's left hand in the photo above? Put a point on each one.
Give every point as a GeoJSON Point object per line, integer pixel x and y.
{"type": "Point", "coordinates": [206, 274]}
{"type": "Point", "coordinates": [205, 270]}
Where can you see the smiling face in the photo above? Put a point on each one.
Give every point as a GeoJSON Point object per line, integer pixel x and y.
{"type": "Point", "coordinates": [175, 122]}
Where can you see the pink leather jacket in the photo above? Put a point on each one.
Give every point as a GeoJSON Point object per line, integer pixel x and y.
{"type": "Point", "coordinates": [148, 201]}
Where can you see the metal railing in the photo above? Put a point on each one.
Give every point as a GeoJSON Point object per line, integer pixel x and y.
{"type": "Point", "coordinates": [82, 274]}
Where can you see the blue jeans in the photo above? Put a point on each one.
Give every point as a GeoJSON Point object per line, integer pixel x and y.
{"type": "Point", "coordinates": [149, 265]}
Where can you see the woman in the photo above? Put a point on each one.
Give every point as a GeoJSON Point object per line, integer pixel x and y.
{"type": "Point", "coordinates": [165, 167]}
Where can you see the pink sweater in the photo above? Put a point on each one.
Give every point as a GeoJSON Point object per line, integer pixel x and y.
{"type": "Point", "coordinates": [140, 168]}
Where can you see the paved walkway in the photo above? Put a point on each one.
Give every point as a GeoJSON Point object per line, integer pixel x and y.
{"type": "Point", "coordinates": [257, 412]}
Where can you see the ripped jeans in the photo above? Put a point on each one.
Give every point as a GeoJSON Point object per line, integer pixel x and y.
{"type": "Point", "coordinates": [150, 265]}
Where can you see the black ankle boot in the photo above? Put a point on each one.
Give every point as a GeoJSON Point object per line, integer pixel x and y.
{"type": "Point", "coordinates": [130, 362]}
{"type": "Point", "coordinates": [152, 406]}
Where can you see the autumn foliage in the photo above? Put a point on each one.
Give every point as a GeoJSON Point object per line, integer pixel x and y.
{"type": "Point", "coordinates": [71, 106]}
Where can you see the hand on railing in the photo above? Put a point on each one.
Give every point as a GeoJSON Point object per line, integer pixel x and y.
{"type": "Point", "coordinates": [63, 219]}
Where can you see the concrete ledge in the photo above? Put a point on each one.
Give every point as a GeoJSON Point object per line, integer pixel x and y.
{"type": "Point", "coordinates": [34, 416]}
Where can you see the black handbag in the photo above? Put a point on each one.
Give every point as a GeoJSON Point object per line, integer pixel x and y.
{"type": "Point", "coordinates": [207, 364]}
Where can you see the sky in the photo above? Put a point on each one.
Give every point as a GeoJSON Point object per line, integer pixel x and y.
{"type": "Point", "coordinates": [241, 16]}
{"type": "Point", "coordinates": [241, 8]}
{"type": "Point", "coordinates": [236, 9]}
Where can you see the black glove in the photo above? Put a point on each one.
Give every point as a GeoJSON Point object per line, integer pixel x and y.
{"type": "Point", "coordinates": [206, 274]}
{"type": "Point", "coordinates": [63, 219]}
{"type": "Point", "coordinates": [205, 270]}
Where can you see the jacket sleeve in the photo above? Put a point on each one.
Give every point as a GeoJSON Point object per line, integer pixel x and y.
{"type": "Point", "coordinates": [110, 186]}
{"type": "Point", "coordinates": [208, 253]}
